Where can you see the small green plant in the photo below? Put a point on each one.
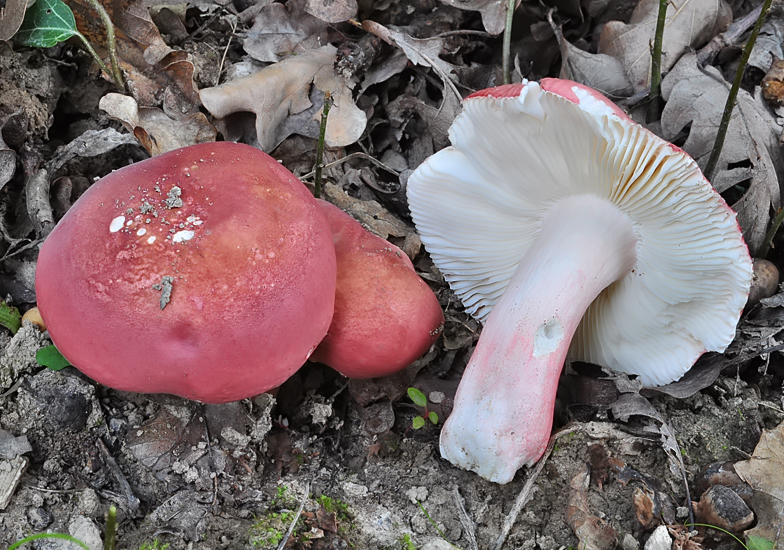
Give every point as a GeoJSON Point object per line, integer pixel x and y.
{"type": "Point", "coordinates": [51, 357]}
{"type": "Point", "coordinates": [270, 530]}
{"type": "Point", "coordinates": [154, 546]}
{"type": "Point", "coordinates": [407, 543]}
{"type": "Point", "coordinates": [49, 22]}
{"type": "Point", "coordinates": [420, 400]}
{"type": "Point", "coordinates": [10, 317]}
{"type": "Point", "coordinates": [335, 506]}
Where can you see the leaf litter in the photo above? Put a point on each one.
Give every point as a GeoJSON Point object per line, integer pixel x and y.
{"type": "Point", "coordinates": [257, 71]}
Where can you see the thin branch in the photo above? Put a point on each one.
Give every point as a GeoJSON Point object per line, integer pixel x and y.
{"type": "Point", "coordinates": [656, 55]}
{"type": "Point", "coordinates": [732, 97]}
{"type": "Point", "coordinates": [507, 45]}
{"type": "Point", "coordinates": [296, 517]}
{"type": "Point", "coordinates": [320, 145]}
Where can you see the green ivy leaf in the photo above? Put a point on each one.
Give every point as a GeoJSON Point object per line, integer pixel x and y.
{"type": "Point", "coordinates": [10, 317]}
{"type": "Point", "coordinates": [417, 397]}
{"type": "Point", "coordinates": [418, 422]}
{"type": "Point", "coordinates": [758, 543]}
{"type": "Point", "coordinates": [51, 357]}
{"type": "Point", "coordinates": [47, 23]}
{"type": "Point", "coordinates": [433, 417]}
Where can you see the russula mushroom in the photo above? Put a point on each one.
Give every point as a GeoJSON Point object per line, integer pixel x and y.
{"type": "Point", "coordinates": [569, 230]}
{"type": "Point", "coordinates": [207, 272]}
{"type": "Point", "coordinates": [385, 314]}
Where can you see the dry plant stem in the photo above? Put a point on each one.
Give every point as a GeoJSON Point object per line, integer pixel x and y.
{"type": "Point", "coordinates": [774, 227]}
{"type": "Point", "coordinates": [507, 47]}
{"type": "Point", "coordinates": [728, 38]}
{"type": "Point", "coordinates": [527, 492]}
{"type": "Point", "coordinates": [465, 519]}
{"type": "Point", "coordinates": [286, 537]}
{"type": "Point", "coordinates": [111, 529]}
{"type": "Point", "coordinates": [725, 118]}
{"type": "Point", "coordinates": [656, 54]}
{"type": "Point", "coordinates": [111, 44]}
{"type": "Point", "coordinates": [320, 145]}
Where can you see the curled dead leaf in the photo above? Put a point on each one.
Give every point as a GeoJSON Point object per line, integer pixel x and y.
{"type": "Point", "coordinates": [750, 156]}
{"type": "Point", "coordinates": [689, 25]}
{"type": "Point", "coordinates": [280, 92]}
{"type": "Point", "coordinates": [157, 132]}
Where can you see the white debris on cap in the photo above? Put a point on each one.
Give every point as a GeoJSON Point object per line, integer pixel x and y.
{"type": "Point", "coordinates": [478, 206]}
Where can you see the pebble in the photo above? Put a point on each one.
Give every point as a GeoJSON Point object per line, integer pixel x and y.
{"type": "Point", "coordinates": [659, 540]}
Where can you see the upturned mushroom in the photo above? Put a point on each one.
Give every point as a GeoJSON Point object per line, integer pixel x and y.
{"type": "Point", "coordinates": [207, 272]}
{"type": "Point", "coordinates": [385, 314]}
{"type": "Point", "coordinates": [569, 231]}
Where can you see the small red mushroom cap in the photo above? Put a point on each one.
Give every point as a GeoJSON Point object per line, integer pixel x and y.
{"type": "Point", "coordinates": [207, 272]}
{"type": "Point", "coordinates": [386, 316]}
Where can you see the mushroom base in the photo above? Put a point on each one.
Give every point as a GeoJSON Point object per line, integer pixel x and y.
{"type": "Point", "coordinates": [503, 410]}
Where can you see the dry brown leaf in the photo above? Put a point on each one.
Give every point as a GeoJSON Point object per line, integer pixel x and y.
{"type": "Point", "coordinates": [599, 71]}
{"type": "Point", "coordinates": [594, 533]}
{"type": "Point", "coordinates": [420, 51]}
{"type": "Point", "coordinates": [11, 17]}
{"type": "Point", "coordinates": [764, 471]}
{"type": "Point", "coordinates": [332, 11]}
{"type": "Point", "coordinates": [376, 219]}
{"type": "Point", "coordinates": [689, 24]}
{"type": "Point", "coordinates": [493, 12]}
{"type": "Point", "coordinates": [280, 31]}
{"type": "Point", "coordinates": [697, 97]}
{"type": "Point", "coordinates": [283, 97]}
{"type": "Point", "coordinates": [157, 132]}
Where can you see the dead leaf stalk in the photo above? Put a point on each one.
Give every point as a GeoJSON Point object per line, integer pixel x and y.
{"type": "Point", "coordinates": [225, 52]}
{"type": "Point", "coordinates": [111, 45]}
{"type": "Point", "coordinates": [296, 518]}
{"type": "Point", "coordinates": [656, 55]}
{"type": "Point", "coordinates": [320, 145]}
{"type": "Point", "coordinates": [507, 46]}
{"type": "Point", "coordinates": [774, 227]}
{"type": "Point", "coordinates": [358, 154]}
{"type": "Point", "coordinates": [528, 489]}
{"type": "Point", "coordinates": [730, 105]}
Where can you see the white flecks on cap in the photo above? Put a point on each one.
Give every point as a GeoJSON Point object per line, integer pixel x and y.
{"type": "Point", "coordinates": [478, 206]}
{"type": "Point", "coordinates": [182, 236]}
{"type": "Point", "coordinates": [141, 232]}
{"type": "Point", "coordinates": [117, 224]}
{"type": "Point", "coordinates": [151, 240]}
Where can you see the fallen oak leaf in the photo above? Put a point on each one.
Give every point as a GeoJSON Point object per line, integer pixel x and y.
{"type": "Point", "coordinates": [157, 132]}
{"type": "Point", "coordinates": [689, 24]}
{"type": "Point", "coordinates": [493, 12]}
{"type": "Point", "coordinates": [695, 99]}
{"type": "Point", "coordinates": [764, 472]}
{"type": "Point", "coordinates": [282, 90]}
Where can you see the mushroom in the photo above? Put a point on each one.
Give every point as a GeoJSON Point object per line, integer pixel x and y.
{"type": "Point", "coordinates": [207, 272]}
{"type": "Point", "coordinates": [385, 314]}
{"type": "Point", "coordinates": [569, 230]}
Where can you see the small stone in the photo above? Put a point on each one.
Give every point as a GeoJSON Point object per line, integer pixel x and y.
{"type": "Point", "coordinates": [659, 540]}
{"type": "Point", "coordinates": [629, 542]}
{"type": "Point", "coordinates": [39, 518]}
{"type": "Point", "coordinates": [722, 507]}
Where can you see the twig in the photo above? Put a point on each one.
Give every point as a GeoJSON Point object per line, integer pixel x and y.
{"type": "Point", "coordinates": [507, 45]}
{"type": "Point", "coordinates": [111, 44]}
{"type": "Point", "coordinates": [733, 95]}
{"type": "Point", "coordinates": [320, 144]}
{"type": "Point", "coordinates": [729, 37]}
{"type": "Point", "coordinates": [527, 492]}
{"type": "Point", "coordinates": [465, 519]}
{"type": "Point", "coordinates": [656, 55]}
{"type": "Point", "coordinates": [358, 154]}
{"type": "Point", "coordinates": [774, 227]}
{"type": "Point", "coordinates": [296, 517]}
{"type": "Point", "coordinates": [225, 51]}
{"type": "Point", "coordinates": [125, 487]}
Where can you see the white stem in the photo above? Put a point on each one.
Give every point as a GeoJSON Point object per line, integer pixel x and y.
{"type": "Point", "coordinates": [503, 410]}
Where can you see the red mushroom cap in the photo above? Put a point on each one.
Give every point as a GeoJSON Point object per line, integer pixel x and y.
{"type": "Point", "coordinates": [386, 316]}
{"type": "Point", "coordinates": [207, 272]}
